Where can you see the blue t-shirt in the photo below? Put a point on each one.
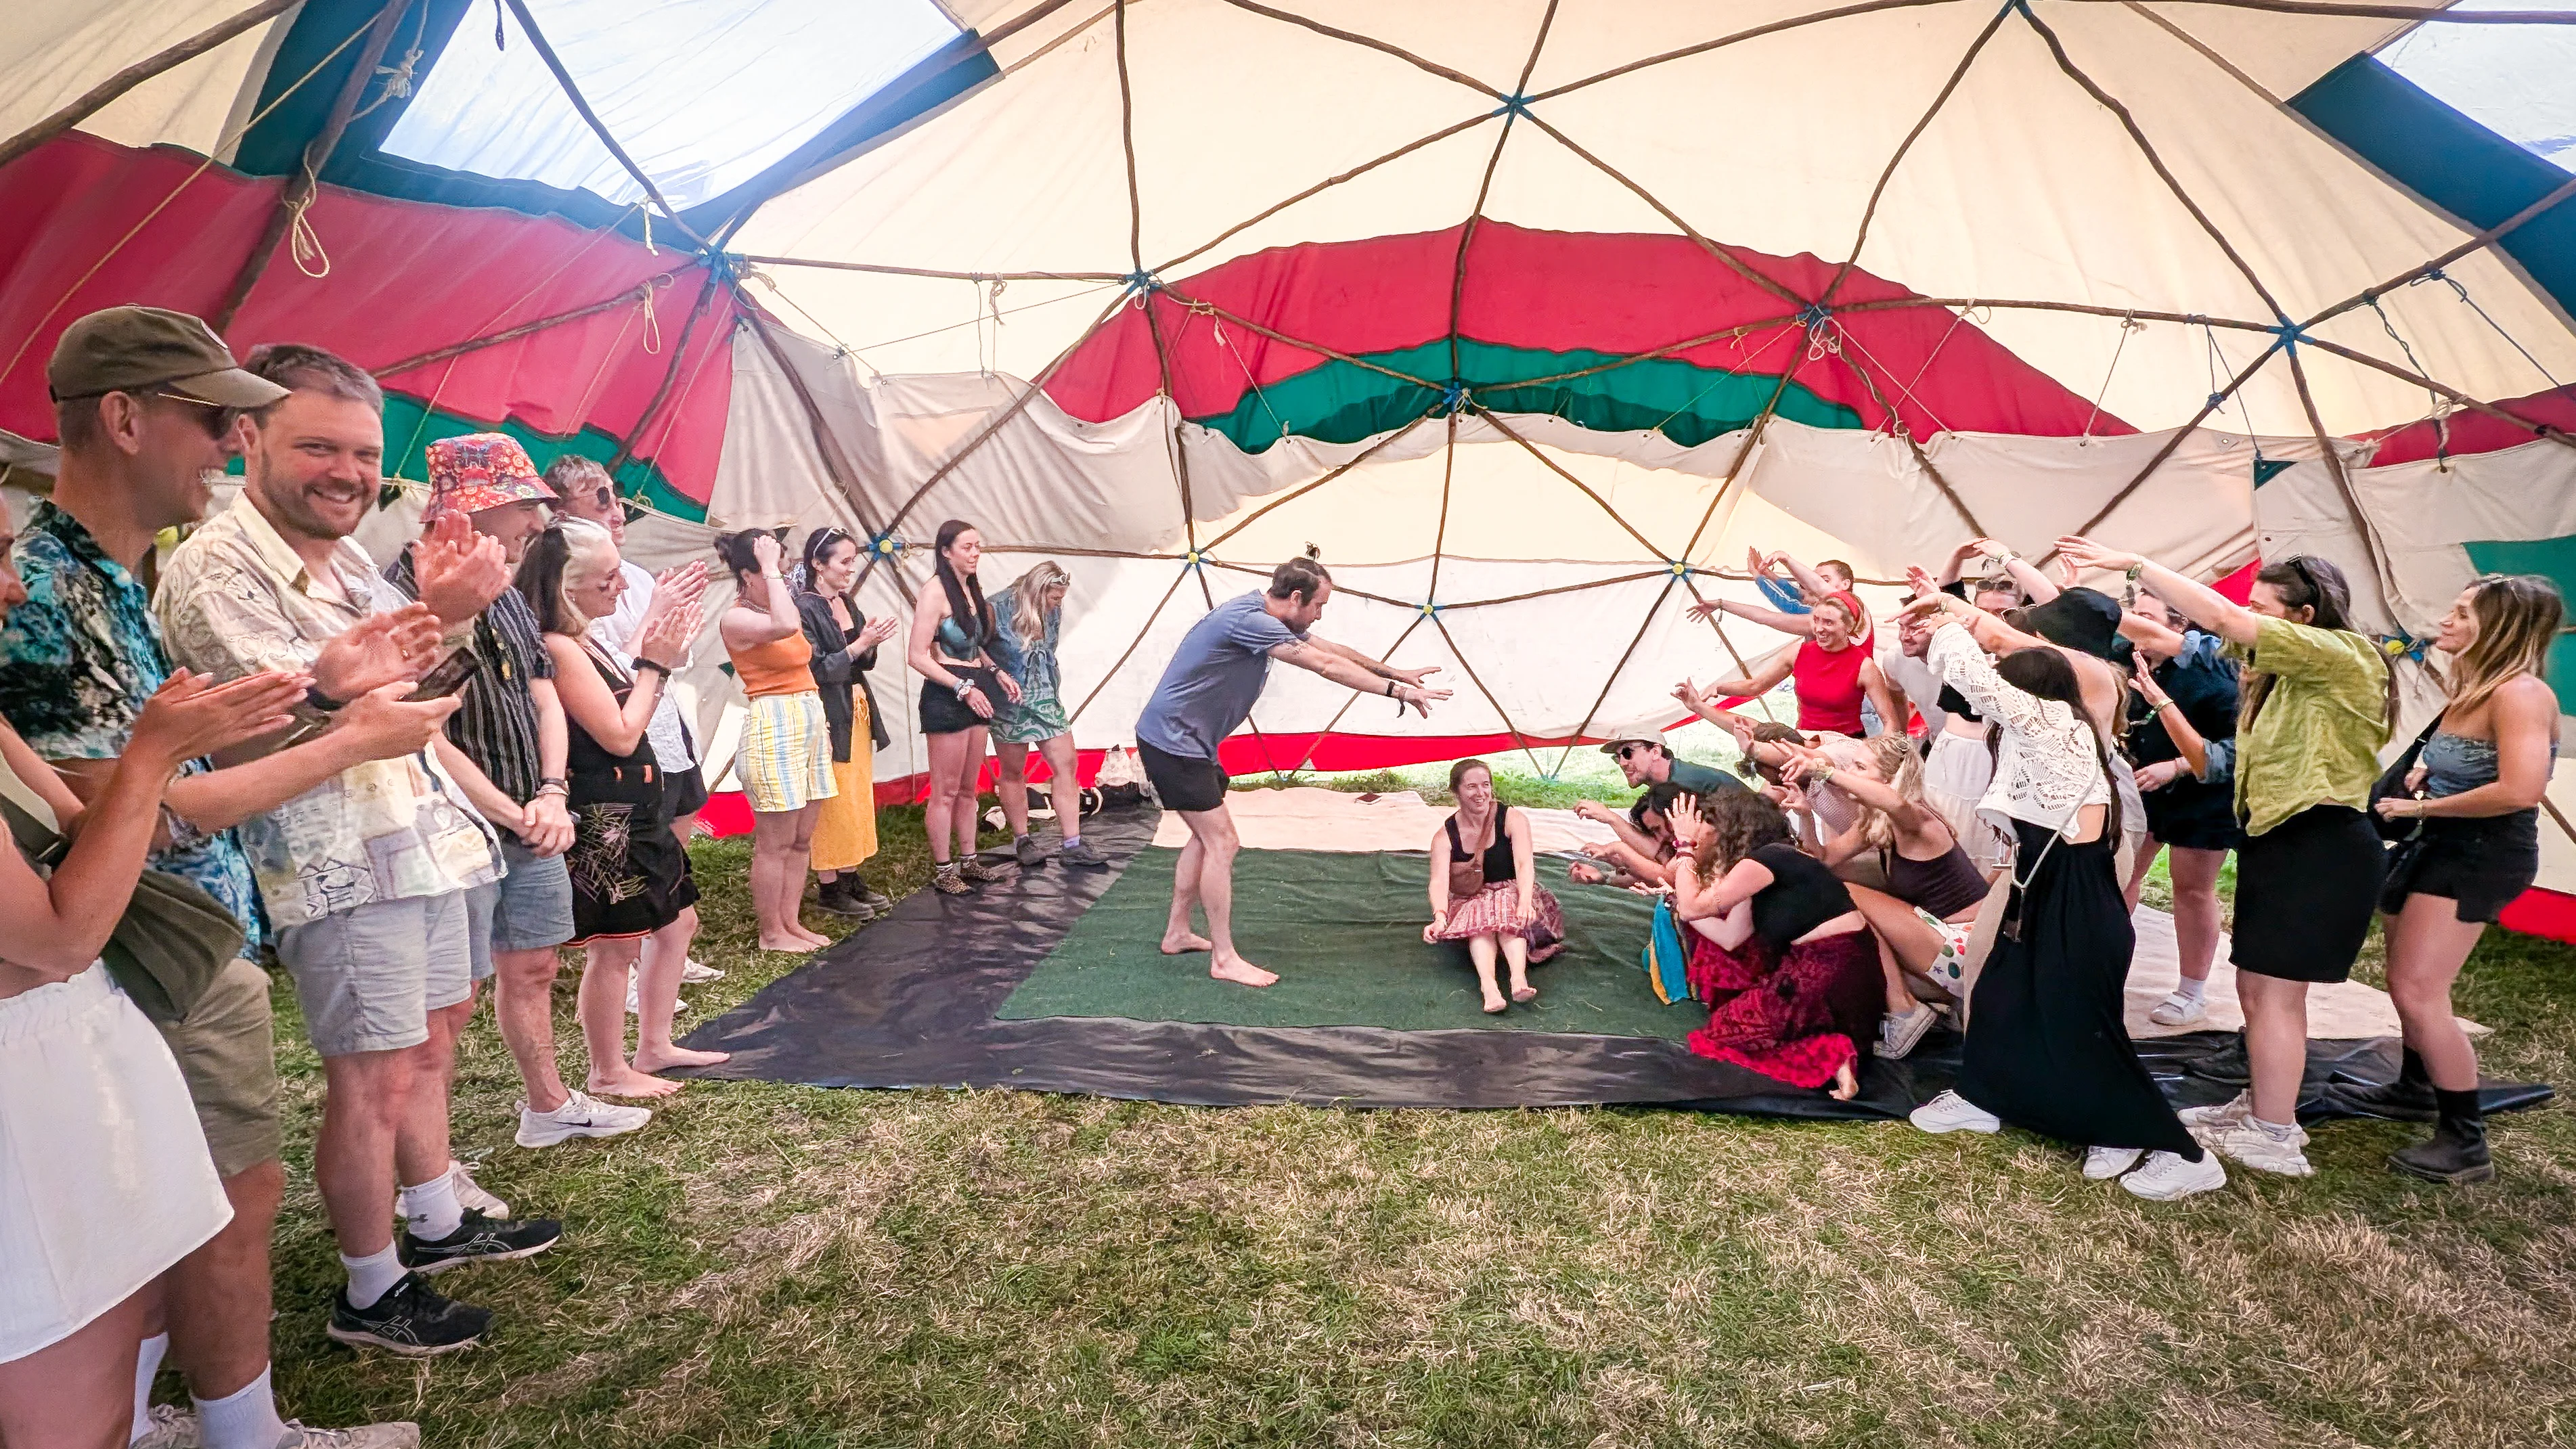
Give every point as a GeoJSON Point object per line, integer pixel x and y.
{"type": "Point", "coordinates": [1215, 676]}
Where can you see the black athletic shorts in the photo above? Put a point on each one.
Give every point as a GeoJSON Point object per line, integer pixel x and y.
{"type": "Point", "coordinates": [685, 791]}
{"type": "Point", "coordinates": [1183, 783]}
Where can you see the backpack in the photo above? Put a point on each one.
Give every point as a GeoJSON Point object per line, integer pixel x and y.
{"type": "Point", "coordinates": [1666, 958]}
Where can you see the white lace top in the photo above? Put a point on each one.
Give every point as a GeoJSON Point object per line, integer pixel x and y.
{"type": "Point", "coordinates": [2046, 768]}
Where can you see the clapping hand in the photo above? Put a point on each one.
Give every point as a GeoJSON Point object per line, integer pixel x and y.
{"type": "Point", "coordinates": [459, 572]}
{"type": "Point", "coordinates": [666, 639]}
{"type": "Point", "coordinates": [378, 650]}
{"type": "Point", "coordinates": [190, 715]}
{"type": "Point", "coordinates": [875, 632]}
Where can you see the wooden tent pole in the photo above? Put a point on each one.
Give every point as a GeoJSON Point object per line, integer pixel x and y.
{"type": "Point", "coordinates": [298, 191]}
{"type": "Point", "coordinates": [1860, 236]}
{"type": "Point", "coordinates": [2550, 431]}
{"type": "Point", "coordinates": [1576, 738]}
{"type": "Point", "coordinates": [670, 376]}
{"type": "Point", "coordinates": [626, 298]}
{"type": "Point", "coordinates": [97, 97]}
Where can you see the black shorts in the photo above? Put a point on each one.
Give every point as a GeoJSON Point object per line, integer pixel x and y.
{"type": "Point", "coordinates": [1183, 783]}
{"type": "Point", "coordinates": [686, 790]}
{"type": "Point", "coordinates": [2306, 890]}
{"type": "Point", "coordinates": [2479, 863]}
{"type": "Point", "coordinates": [943, 713]}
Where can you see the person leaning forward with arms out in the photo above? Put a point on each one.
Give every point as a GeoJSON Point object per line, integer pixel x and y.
{"type": "Point", "coordinates": [1207, 692]}
{"type": "Point", "coordinates": [365, 875]}
{"type": "Point", "coordinates": [144, 404]}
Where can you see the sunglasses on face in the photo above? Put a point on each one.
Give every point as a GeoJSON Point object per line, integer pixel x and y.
{"type": "Point", "coordinates": [215, 417]}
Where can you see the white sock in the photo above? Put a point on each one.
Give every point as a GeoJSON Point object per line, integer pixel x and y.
{"type": "Point", "coordinates": [2190, 990]}
{"type": "Point", "coordinates": [1073, 840]}
{"type": "Point", "coordinates": [2277, 1131]}
{"type": "Point", "coordinates": [245, 1420]}
{"type": "Point", "coordinates": [372, 1276]}
{"type": "Point", "coordinates": [431, 1209]}
{"type": "Point", "coordinates": [147, 1364]}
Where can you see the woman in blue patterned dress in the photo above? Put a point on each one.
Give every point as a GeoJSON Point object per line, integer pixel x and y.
{"type": "Point", "coordinates": [1029, 614]}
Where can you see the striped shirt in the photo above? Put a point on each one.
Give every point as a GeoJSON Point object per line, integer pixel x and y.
{"type": "Point", "coordinates": [495, 723]}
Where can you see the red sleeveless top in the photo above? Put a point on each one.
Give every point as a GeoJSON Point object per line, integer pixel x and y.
{"type": "Point", "coordinates": [1828, 686]}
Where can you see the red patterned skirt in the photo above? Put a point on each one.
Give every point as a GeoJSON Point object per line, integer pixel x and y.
{"type": "Point", "coordinates": [1794, 1016]}
{"type": "Point", "coordinates": [1489, 911]}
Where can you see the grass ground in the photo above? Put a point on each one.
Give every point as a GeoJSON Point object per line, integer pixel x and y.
{"type": "Point", "coordinates": [786, 1266]}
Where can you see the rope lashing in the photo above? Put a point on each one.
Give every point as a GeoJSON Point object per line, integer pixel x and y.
{"type": "Point", "coordinates": [2128, 324]}
{"type": "Point", "coordinates": [652, 317]}
{"type": "Point", "coordinates": [1141, 282]}
{"type": "Point", "coordinates": [2438, 275]}
{"type": "Point", "coordinates": [1454, 397]}
{"type": "Point", "coordinates": [2372, 299]}
{"type": "Point", "coordinates": [303, 243]}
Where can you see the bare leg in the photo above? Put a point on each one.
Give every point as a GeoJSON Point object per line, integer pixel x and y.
{"type": "Point", "coordinates": [1064, 784]}
{"type": "Point", "coordinates": [1516, 956]}
{"type": "Point", "coordinates": [657, 992]}
{"type": "Point", "coordinates": [773, 839]}
{"type": "Point", "coordinates": [1013, 785]}
{"type": "Point", "coordinates": [421, 1148]}
{"type": "Point", "coordinates": [2276, 1041]}
{"type": "Point", "coordinates": [2427, 942]}
{"type": "Point", "coordinates": [2195, 907]}
{"type": "Point", "coordinates": [1907, 943]}
{"type": "Point", "coordinates": [947, 761]}
{"type": "Point", "coordinates": [2145, 862]}
{"type": "Point", "coordinates": [1480, 949]}
{"type": "Point", "coordinates": [219, 1296]}
{"type": "Point", "coordinates": [800, 852]}
{"type": "Point", "coordinates": [1178, 937]}
{"type": "Point", "coordinates": [602, 1008]}
{"type": "Point", "coordinates": [523, 1001]}
{"type": "Point", "coordinates": [1213, 832]}
{"type": "Point", "coordinates": [1846, 1083]}
{"type": "Point", "coordinates": [78, 1393]}
{"type": "Point", "coordinates": [365, 1098]}
{"type": "Point", "coordinates": [969, 775]}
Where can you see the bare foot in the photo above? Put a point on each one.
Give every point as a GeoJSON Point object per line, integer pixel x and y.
{"type": "Point", "coordinates": [1496, 1006]}
{"type": "Point", "coordinates": [1524, 992]}
{"type": "Point", "coordinates": [1185, 943]}
{"type": "Point", "coordinates": [818, 938]}
{"type": "Point", "coordinates": [663, 1059]}
{"type": "Point", "coordinates": [1846, 1083]}
{"type": "Point", "coordinates": [793, 945]}
{"type": "Point", "coordinates": [1240, 971]}
{"type": "Point", "coordinates": [628, 1082]}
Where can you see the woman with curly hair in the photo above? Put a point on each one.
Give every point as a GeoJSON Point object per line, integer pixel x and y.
{"type": "Point", "coordinates": [1787, 965]}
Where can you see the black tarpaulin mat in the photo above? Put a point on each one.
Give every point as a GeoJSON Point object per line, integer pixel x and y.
{"type": "Point", "coordinates": [910, 1002]}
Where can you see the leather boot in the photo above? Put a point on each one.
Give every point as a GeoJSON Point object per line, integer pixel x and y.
{"type": "Point", "coordinates": [2408, 1099]}
{"type": "Point", "coordinates": [2458, 1151]}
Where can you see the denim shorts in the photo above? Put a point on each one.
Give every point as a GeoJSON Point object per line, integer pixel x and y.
{"type": "Point", "coordinates": [369, 976]}
{"type": "Point", "coordinates": [530, 908]}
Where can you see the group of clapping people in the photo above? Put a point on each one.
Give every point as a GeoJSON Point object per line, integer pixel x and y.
{"type": "Point", "coordinates": [1859, 884]}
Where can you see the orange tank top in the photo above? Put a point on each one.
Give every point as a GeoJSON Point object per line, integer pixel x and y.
{"type": "Point", "coordinates": [781, 666]}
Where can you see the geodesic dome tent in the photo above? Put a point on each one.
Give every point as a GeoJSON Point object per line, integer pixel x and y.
{"type": "Point", "coordinates": [1530, 314]}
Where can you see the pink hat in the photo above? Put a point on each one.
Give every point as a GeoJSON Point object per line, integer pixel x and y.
{"type": "Point", "coordinates": [482, 470]}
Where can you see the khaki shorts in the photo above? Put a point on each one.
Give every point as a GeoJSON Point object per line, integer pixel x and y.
{"type": "Point", "coordinates": [369, 976]}
{"type": "Point", "coordinates": [227, 1052]}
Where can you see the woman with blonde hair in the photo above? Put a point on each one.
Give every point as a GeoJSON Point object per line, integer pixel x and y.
{"type": "Point", "coordinates": [1027, 615]}
{"type": "Point", "coordinates": [2476, 787]}
{"type": "Point", "coordinates": [1831, 670]}
{"type": "Point", "coordinates": [634, 902]}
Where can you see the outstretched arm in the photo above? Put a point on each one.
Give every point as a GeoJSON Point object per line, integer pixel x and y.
{"type": "Point", "coordinates": [1378, 667]}
{"type": "Point", "coordinates": [2190, 598]}
{"type": "Point", "coordinates": [1339, 666]}
{"type": "Point", "coordinates": [1766, 676]}
{"type": "Point", "coordinates": [1810, 582]}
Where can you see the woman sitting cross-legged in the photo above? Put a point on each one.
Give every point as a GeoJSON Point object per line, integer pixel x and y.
{"type": "Point", "coordinates": [1934, 890]}
{"type": "Point", "coordinates": [1485, 847]}
{"type": "Point", "coordinates": [1778, 950]}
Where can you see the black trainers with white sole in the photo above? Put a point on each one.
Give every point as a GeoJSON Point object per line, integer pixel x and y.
{"type": "Point", "coordinates": [411, 1320]}
{"type": "Point", "coordinates": [480, 1240]}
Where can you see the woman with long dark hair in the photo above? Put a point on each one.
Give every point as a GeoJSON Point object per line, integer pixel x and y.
{"type": "Point", "coordinates": [2477, 788]}
{"type": "Point", "coordinates": [952, 636]}
{"type": "Point", "coordinates": [785, 759]}
{"type": "Point", "coordinates": [844, 643]}
{"type": "Point", "coordinates": [1507, 913]}
{"type": "Point", "coordinates": [2046, 1046]}
{"type": "Point", "coordinates": [2318, 698]}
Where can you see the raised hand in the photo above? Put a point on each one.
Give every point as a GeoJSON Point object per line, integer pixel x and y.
{"type": "Point", "coordinates": [1685, 820]}
{"type": "Point", "coordinates": [2148, 689]}
{"type": "Point", "coordinates": [1413, 676]}
{"type": "Point", "coordinates": [875, 632]}
{"type": "Point", "coordinates": [1420, 698]}
{"type": "Point", "coordinates": [765, 551]}
{"type": "Point", "coordinates": [378, 650]}
{"type": "Point", "coordinates": [668, 639]}
{"type": "Point", "coordinates": [190, 715]}
{"type": "Point", "coordinates": [1692, 697]}
{"type": "Point", "coordinates": [460, 572]}
{"type": "Point", "coordinates": [1702, 612]}
{"type": "Point", "coordinates": [384, 725]}
{"type": "Point", "coordinates": [2084, 553]}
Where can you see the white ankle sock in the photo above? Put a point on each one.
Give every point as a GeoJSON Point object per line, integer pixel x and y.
{"type": "Point", "coordinates": [372, 1276]}
{"type": "Point", "coordinates": [431, 1209]}
{"type": "Point", "coordinates": [2277, 1131]}
{"type": "Point", "coordinates": [2190, 990]}
{"type": "Point", "coordinates": [244, 1420]}
{"type": "Point", "coordinates": [147, 1363]}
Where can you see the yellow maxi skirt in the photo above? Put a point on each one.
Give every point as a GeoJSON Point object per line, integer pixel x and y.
{"type": "Point", "coordinates": [845, 833]}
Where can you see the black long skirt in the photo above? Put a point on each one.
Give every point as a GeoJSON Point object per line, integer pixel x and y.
{"type": "Point", "coordinates": [2047, 1045]}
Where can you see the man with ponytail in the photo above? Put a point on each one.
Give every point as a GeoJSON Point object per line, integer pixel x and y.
{"type": "Point", "coordinates": [1207, 693]}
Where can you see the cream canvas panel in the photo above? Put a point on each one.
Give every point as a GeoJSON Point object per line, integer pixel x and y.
{"type": "Point", "coordinates": [54, 51]}
{"type": "Point", "coordinates": [2424, 511]}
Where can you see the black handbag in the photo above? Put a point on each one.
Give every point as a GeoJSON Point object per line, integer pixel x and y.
{"type": "Point", "coordinates": [173, 940]}
{"type": "Point", "coordinates": [2392, 786]}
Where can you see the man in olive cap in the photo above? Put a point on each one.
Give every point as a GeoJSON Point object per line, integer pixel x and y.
{"type": "Point", "coordinates": [142, 401]}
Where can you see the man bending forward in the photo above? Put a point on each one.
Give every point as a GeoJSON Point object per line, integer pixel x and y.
{"type": "Point", "coordinates": [1206, 694]}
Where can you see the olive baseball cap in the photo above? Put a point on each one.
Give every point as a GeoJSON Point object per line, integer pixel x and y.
{"type": "Point", "coordinates": [146, 349]}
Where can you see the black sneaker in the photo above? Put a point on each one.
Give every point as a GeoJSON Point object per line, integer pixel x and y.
{"type": "Point", "coordinates": [1081, 856]}
{"type": "Point", "coordinates": [841, 901]}
{"type": "Point", "coordinates": [870, 894]}
{"type": "Point", "coordinates": [480, 1240]}
{"type": "Point", "coordinates": [411, 1320]}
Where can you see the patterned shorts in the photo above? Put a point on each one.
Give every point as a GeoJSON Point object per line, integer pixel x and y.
{"type": "Point", "coordinates": [786, 757]}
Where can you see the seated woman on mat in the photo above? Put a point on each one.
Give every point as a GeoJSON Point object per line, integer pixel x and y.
{"type": "Point", "coordinates": [1485, 890]}
{"type": "Point", "coordinates": [1642, 851]}
{"type": "Point", "coordinates": [1778, 950]}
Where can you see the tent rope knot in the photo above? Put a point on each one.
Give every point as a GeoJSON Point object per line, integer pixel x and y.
{"type": "Point", "coordinates": [1814, 315]}
{"type": "Point", "coordinates": [1141, 282]}
{"type": "Point", "coordinates": [1454, 397]}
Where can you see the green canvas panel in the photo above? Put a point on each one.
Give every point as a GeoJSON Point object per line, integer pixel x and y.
{"type": "Point", "coordinates": [2555, 558]}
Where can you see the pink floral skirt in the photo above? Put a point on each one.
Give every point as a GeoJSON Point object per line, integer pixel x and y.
{"type": "Point", "coordinates": [1794, 1016]}
{"type": "Point", "coordinates": [1489, 911]}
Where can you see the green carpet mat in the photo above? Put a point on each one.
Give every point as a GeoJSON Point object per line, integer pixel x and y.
{"type": "Point", "coordinates": [1344, 932]}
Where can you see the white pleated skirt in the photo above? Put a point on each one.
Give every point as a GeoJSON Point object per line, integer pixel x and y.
{"type": "Point", "coordinates": [105, 1180]}
{"type": "Point", "coordinates": [1955, 776]}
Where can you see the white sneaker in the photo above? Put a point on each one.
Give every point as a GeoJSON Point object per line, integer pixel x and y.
{"type": "Point", "coordinates": [2101, 1164]}
{"type": "Point", "coordinates": [2205, 1123]}
{"type": "Point", "coordinates": [365, 1436]}
{"type": "Point", "coordinates": [2179, 1010]}
{"type": "Point", "coordinates": [171, 1427]}
{"type": "Point", "coordinates": [2253, 1145]}
{"type": "Point", "coordinates": [471, 1196]}
{"type": "Point", "coordinates": [2169, 1175]}
{"type": "Point", "coordinates": [1951, 1112]}
{"type": "Point", "coordinates": [634, 1007]}
{"type": "Point", "coordinates": [579, 1116]}
{"type": "Point", "coordinates": [695, 973]}
{"type": "Point", "coordinates": [1898, 1036]}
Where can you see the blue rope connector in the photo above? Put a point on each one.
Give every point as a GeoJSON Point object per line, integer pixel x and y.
{"type": "Point", "coordinates": [1814, 315]}
{"type": "Point", "coordinates": [1513, 105]}
{"type": "Point", "coordinates": [2217, 400]}
{"type": "Point", "coordinates": [1143, 282]}
{"type": "Point", "coordinates": [1453, 396]}
{"type": "Point", "coordinates": [1193, 561]}
{"type": "Point", "coordinates": [888, 545]}
{"type": "Point", "coordinates": [1431, 610]}
{"type": "Point", "coordinates": [1680, 569]}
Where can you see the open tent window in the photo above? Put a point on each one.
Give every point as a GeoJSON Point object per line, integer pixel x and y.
{"type": "Point", "coordinates": [702, 93]}
{"type": "Point", "coordinates": [2512, 79]}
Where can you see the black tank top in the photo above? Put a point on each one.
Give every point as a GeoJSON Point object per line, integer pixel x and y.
{"type": "Point", "coordinates": [1944, 885]}
{"type": "Point", "coordinates": [1803, 894]}
{"type": "Point", "coordinates": [582, 754]}
{"type": "Point", "coordinates": [1498, 856]}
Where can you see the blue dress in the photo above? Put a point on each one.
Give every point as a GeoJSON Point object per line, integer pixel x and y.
{"type": "Point", "coordinates": [1039, 713]}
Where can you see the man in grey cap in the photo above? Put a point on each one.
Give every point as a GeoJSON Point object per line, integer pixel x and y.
{"type": "Point", "coordinates": [142, 401]}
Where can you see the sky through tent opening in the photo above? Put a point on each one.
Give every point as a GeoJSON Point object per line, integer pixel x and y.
{"type": "Point", "coordinates": [2518, 81]}
{"type": "Point", "coordinates": [703, 93]}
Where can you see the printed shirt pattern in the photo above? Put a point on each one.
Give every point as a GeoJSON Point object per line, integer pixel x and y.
{"type": "Point", "coordinates": [236, 599]}
{"type": "Point", "coordinates": [77, 661]}
{"type": "Point", "coordinates": [495, 723]}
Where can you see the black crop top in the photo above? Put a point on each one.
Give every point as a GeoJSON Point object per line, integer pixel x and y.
{"type": "Point", "coordinates": [1803, 895]}
{"type": "Point", "coordinates": [1498, 856]}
